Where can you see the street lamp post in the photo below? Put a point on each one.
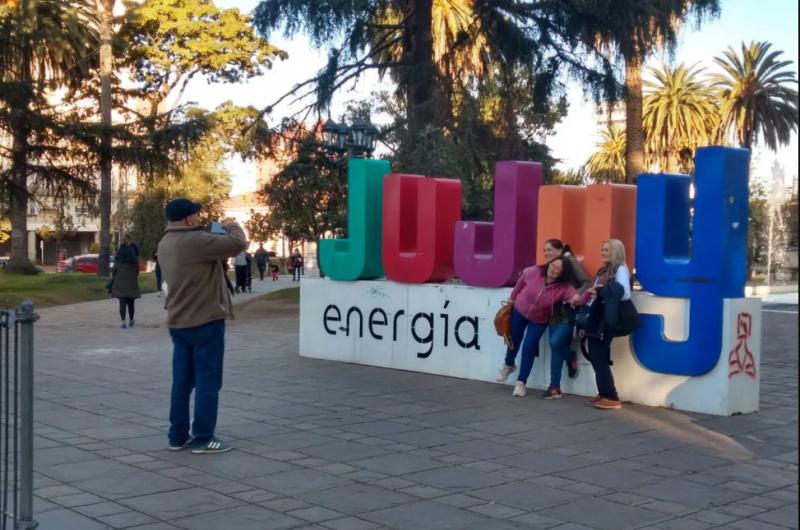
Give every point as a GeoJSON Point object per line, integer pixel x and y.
{"type": "Point", "coordinates": [357, 140]}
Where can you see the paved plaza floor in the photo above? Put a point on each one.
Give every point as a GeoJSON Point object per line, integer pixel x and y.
{"type": "Point", "coordinates": [327, 445]}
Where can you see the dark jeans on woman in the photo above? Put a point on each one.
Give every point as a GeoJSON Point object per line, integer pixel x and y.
{"type": "Point", "coordinates": [560, 338]}
{"type": "Point", "coordinates": [600, 357]}
{"type": "Point", "coordinates": [262, 268]}
{"type": "Point", "coordinates": [521, 326]}
{"type": "Point", "coordinates": [296, 273]}
{"type": "Point", "coordinates": [126, 303]}
{"type": "Point", "coordinates": [196, 365]}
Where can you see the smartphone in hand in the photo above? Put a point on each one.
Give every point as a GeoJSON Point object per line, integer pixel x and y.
{"type": "Point", "coordinates": [216, 228]}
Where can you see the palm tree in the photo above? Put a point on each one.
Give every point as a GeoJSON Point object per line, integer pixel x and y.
{"type": "Point", "coordinates": [46, 45]}
{"type": "Point", "coordinates": [680, 112]}
{"type": "Point", "coordinates": [756, 93]}
{"type": "Point", "coordinates": [607, 164]}
{"type": "Point", "coordinates": [634, 29]}
{"type": "Point", "coordinates": [459, 48]}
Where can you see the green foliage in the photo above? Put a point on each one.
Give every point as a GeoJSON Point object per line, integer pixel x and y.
{"type": "Point", "coordinates": [200, 176]}
{"type": "Point", "coordinates": [633, 29]}
{"type": "Point", "coordinates": [261, 227]}
{"type": "Point", "coordinates": [434, 49]}
{"type": "Point", "coordinates": [172, 41]}
{"type": "Point", "coordinates": [607, 164]}
{"type": "Point", "coordinates": [44, 45]}
{"type": "Point", "coordinates": [307, 198]}
{"type": "Point", "coordinates": [502, 119]}
{"type": "Point", "coordinates": [62, 227]}
{"type": "Point", "coordinates": [680, 112]}
{"type": "Point", "coordinates": [47, 290]}
{"type": "Point", "coordinates": [148, 221]}
{"type": "Point", "coordinates": [757, 97]}
{"type": "Point", "coordinates": [758, 226]}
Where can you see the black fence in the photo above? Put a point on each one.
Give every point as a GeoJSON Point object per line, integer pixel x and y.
{"type": "Point", "coordinates": [16, 418]}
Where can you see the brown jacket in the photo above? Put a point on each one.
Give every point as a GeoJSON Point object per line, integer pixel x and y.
{"type": "Point", "coordinates": [190, 260]}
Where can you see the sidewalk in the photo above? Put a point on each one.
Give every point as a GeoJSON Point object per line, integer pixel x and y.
{"type": "Point", "coordinates": [326, 445]}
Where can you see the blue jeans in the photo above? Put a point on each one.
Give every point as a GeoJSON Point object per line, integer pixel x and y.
{"type": "Point", "coordinates": [196, 365]}
{"type": "Point", "coordinates": [296, 273]}
{"type": "Point", "coordinates": [560, 337]}
{"type": "Point", "coordinates": [530, 346]}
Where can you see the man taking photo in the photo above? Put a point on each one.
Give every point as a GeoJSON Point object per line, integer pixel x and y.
{"type": "Point", "coordinates": [198, 303]}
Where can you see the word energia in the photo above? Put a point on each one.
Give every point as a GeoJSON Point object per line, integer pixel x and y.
{"type": "Point", "coordinates": [408, 228]}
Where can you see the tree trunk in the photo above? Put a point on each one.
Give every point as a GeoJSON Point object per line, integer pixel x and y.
{"type": "Point", "coordinates": [634, 130]}
{"type": "Point", "coordinates": [106, 8]}
{"type": "Point", "coordinates": [420, 69]}
{"type": "Point", "coordinates": [20, 132]}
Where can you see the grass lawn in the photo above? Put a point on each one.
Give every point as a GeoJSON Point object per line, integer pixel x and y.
{"type": "Point", "coordinates": [290, 294]}
{"type": "Point", "coordinates": [60, 288]}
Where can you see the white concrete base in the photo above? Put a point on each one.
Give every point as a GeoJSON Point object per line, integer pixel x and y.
{"type": "Point", "coordinates": [394, 331]}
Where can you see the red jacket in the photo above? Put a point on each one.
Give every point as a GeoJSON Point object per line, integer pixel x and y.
{"type": "Point", "coordinates": [534, 299]}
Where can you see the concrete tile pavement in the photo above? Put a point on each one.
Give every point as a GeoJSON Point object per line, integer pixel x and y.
{"type": "Point", "coordinates": [326, 445]}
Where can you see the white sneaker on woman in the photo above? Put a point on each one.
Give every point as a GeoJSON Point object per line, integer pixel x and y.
{"type": "Point", "coordinates": [520, 390]}
{"type": "Point", "coordinates": [505, 371]}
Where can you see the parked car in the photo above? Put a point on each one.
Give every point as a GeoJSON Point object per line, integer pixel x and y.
{"type": "Point", "coordinates": [84, 263]}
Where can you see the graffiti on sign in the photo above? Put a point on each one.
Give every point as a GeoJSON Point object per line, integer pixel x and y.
{"type": "Point", "coordinates": [740, 359]}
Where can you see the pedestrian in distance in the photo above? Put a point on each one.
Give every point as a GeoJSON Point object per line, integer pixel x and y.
{"type": "Point", "coordinates": [125, 281]}
{"type": "Point", "coordinates": [297, 265]}
{"type": "Point", "coordinates": [240, 263]}
{"type": "Point", "coordinates": [198, 302]}
{"type": "Point", "coordinates": [261, 261]}
{"type": "Point", "coordinates": [273, 267]}
{"type": "Point", "coordinates": [158, 274]}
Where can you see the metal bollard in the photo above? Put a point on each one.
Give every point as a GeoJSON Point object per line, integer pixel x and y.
{"type": "Point", "coordinates": [26, 317]}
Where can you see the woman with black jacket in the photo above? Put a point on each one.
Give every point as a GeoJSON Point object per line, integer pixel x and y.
{"type": "Point", "coordinates": [125, 282]}
{"type": "Point", "coordinates": [611, 286]}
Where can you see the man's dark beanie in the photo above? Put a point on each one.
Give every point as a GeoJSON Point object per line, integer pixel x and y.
{"type": "Point", "coordinates": [181, 209]}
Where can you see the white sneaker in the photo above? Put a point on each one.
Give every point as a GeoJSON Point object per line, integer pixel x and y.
{"type": "Point", "coordinates": [520, 390]}
{"type": "Point", "coordinates": [505, 371]}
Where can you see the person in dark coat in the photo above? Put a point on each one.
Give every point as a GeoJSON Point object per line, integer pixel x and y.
{"type": "Point", "coordinates": [613, 271]}
{"type": "Point", "coordinates": [125, 284]}
{"type": "Point", "coordinates": [158, 274]}
{"type": "Point", "coordinates": [297, 265]}
{"type": "Point", "coordinates": [261, 261]}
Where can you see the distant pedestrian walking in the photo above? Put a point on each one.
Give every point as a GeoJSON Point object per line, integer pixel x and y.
{"type": "Point", "coordinates": [158, 274]}
{"type": "Point", "coordinates": [198, 303]}
{"type": "Point", "coordinates": [240, 263]}
{"type": "Point", "coordinates": [125, 281]}
{"type": "Point", "coordinates": [261, 261]}
{"type": "Point", "coordinates": [274, 270]}
{"type": "Point", "coordinates": [297, 265]}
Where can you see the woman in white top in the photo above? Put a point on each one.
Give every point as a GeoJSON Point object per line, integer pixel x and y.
{"type": "Point", "coordinates": [613, 270]}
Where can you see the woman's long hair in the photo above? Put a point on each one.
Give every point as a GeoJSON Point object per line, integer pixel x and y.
{"type": "Point", "coordinates": [608, 270]}
{"type": "Point", "coordinates": [567, 274]}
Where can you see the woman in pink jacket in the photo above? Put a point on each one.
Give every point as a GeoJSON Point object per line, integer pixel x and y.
{"type": "Point", "coordinates": [534, 296]}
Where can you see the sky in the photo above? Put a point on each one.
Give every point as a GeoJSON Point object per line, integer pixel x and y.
{"type": "Point", "coordinates": [576, 136]}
